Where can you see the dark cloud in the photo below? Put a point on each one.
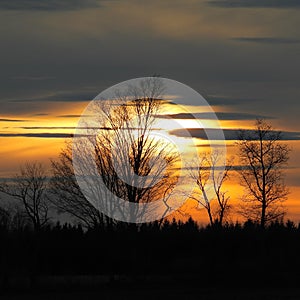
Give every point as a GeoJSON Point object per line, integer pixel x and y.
{"type": "Point", "coordinates": [37, 135]}
{"type": "Point", "coordinates": [229, 134]}
{"type": "Point", "coordinates": [211, 116]}
{"type": "Point", "coordinates": [48, 5]}
{"type": "Point", "coordinates": [32, 78]}
{"type": "Point", "coordinates": [74, 116]}
{"type": "Point", "coordinates": [65, 96]}
{"type": "Point", "coordinates": [69, 116]}
{"type": "Point", "coordinates": [46, 127]}
{"type": "Point", "coordinates": [212, 146]}
{"type": "Point", "coordinates": [218, 101]}
{"type": "Point", "coordinates": [40, 114]}
{"type": "Point", "coordinates": [13, 120]}
{"type": "Point", "coordinates": [267, 40]}
{"type": "Point", "coordinates": [59, 127]}
{"type": "Point", "coordinates": [227, 101]}
{"type": "Point", "coordinates": [255, 3]}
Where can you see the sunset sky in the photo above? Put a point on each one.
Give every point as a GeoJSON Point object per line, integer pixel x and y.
{"type": "Point", "coordinates": [242, 56]}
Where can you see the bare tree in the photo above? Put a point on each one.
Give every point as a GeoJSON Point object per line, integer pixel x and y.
{"type": "Point", "coordinates": [262, 156]}
{"type": "Point", "coordinates": [29, 188]}
{"type": "Point", "coordinates": [133, 164]}
{"type": "Point", "coordinates": [211, 195]}
{"type": "Point", "coordinates": [65, 194]}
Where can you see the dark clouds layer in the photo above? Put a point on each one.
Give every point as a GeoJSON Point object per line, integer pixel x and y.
{"type": "Point", "coordinates": [220, 115]}
{"type": "Point", "coordinates": [60, 127]}
{"type": "Point", "coordinates": [66, 96]}
{"type": "Point", "coordinates": [256, 3]}
{"type": "Point", "coordinates": [47, 127]}
{"type": "Point", "coordinates": [37, 135]}
{"type": "Point", "coordinates": [228, 101]}
{"type": "Point", "coordinates": [267, 40]}
{"type": "Point", "coordinates": [229, 134]}
{"type": "Point", "coordinates": [72, 116]}
{"type": "Point", "coordinates": [40, 114]}
{"type": "Point", "coordinates": [48, 5]}
{"type": "Point", "coordinates": [12, 120]}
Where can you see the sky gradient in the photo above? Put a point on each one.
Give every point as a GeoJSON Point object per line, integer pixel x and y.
{"type": "Point", "coordinates": [243, 56]}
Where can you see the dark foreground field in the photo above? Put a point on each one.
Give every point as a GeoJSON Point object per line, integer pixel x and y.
{"type": "Point", "coordinates": [173, 261]}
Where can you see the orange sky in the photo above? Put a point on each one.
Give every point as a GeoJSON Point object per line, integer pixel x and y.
{"type": "Point", "coordinates": [14, 151]}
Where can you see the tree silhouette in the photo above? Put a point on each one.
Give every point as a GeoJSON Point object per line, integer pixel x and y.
{"type": "Point", "coordinates": [262, 156]}
{"type": "Point", "coordinates": [210, 194]}
{"type": "Point", "coordinates": [130, 161]}
{"type": "Point", "coordinates": [65, 194]}
{"type": "Point", "coordinates": [29, 188]}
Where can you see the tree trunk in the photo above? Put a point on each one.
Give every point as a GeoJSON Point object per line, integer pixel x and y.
{"type": "Point", "coordinates": [263, 215]}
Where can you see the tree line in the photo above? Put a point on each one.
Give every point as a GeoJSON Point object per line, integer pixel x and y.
{"type": "Point", "coordinates": [170, 252]}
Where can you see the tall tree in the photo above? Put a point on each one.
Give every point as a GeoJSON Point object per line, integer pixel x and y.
{"type": "Point", "coordinates": [29, 188]}
{"type": "Point", "coordinates": [211, 176]}
{"type": "Point", "coordinates": [262, 155]}
{"type": "Point", "coordinates": [133, 164]}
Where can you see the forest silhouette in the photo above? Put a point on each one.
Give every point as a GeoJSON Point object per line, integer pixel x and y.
{"type": "Point", "coordinates": [67, 257]}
